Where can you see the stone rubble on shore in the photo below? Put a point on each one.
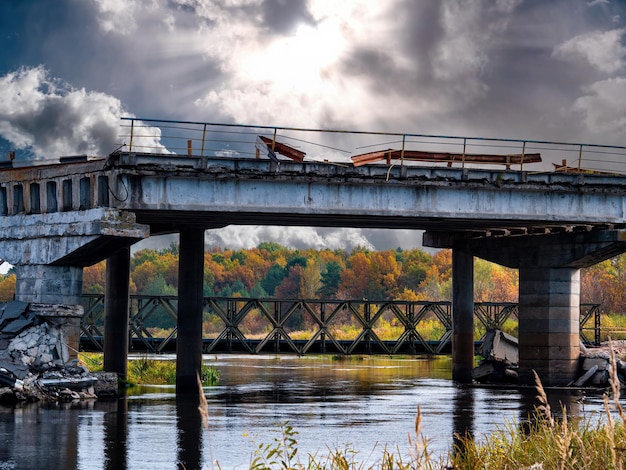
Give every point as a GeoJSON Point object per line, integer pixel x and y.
{"type": "Point", "coordinates": [36, 363]}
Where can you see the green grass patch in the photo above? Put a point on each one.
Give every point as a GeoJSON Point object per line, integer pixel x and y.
{"type": "Point", "coordinates": [144, 370]}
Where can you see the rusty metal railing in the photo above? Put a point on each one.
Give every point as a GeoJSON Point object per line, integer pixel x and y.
{"type": "Point", "coordinates": [309, 326]}
{"type": "Point", "coordinates": [337, 146]}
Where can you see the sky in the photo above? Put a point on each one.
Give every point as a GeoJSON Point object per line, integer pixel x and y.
{"type": "Point", "coordinates": [523, 69]}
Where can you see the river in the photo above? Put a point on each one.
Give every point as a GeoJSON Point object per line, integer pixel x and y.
{"type": "Point", "coordinates": [357, 404]}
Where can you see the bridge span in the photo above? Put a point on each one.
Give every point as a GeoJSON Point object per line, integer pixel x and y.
{"type": "Point", "coordinates": [57, 218]}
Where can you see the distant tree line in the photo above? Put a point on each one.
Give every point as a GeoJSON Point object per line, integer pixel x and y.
{"type": "Point", "coordinates": [273, 270]}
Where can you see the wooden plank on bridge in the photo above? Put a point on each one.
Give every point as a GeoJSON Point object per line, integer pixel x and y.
{"type": "Point", "coordinates": [283, 149]}
{"type": "Point", "coordinates": [444, 157]}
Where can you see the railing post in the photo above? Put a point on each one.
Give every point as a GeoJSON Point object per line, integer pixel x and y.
{"type": "Point", "coordinates": [203, 138]}
{"type": "Point", "coordinates": [132, 127]}
{"type": "Point", "coordinates": [464, 148]}
{"type": "Point", "coordinates": [580, 156]}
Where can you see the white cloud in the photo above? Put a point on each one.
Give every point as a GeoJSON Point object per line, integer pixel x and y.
{"type": "Point", "coordinates": [603, 107]}
{"type": "Point", "coordinates": [294, 237]}
{"type": "Point", "coordinates": [602, 49]}
{"type": "Point", "coordinates": [52, 119]}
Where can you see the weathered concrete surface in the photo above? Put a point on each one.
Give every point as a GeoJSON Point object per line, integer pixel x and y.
{"type": "Point", "coordinates": [49, 250]}
{"type": "Point", "coordinates": [41, 239]}
{"type": "Point", "coordinates": [242, 191]}
{"type": "Point", "coordinates": [49, 284]}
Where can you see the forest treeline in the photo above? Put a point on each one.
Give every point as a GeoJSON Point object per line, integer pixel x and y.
{"type": "Point", "coordinates": [273, 270]}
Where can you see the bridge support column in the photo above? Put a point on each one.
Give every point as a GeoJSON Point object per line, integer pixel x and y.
{"type": "Point", "coordinates": [549, 324]}
{"type": "Point", "coordinates": [190, 306]}
{"type": "Point", "coordinates": [462, 315]}
{"type": "Point", "coordinates": [47, 284]}
{"type": "Point", "coordinates": [116, 313]}
{"type": "Point", "coordinates": [549, 293]}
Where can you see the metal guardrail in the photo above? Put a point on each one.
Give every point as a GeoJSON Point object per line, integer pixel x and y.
{"type": "Point", "coordinates": [336, 146]}
{"type": "Point", "coordinates": [309, 326]}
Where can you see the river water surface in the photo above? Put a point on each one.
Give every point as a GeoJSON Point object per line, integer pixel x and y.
{"type": "Point", "coordinates": [360, 404]}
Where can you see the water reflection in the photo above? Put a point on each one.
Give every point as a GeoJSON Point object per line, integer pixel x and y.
{"type": "Point", "coordinates": [189, 426]}
{"type": "Point", "coordinates": [463, 414]}
{"type": "Point", "coordinates": [115, 434]}
{"type": "Point", "coordinates": [360, 404]}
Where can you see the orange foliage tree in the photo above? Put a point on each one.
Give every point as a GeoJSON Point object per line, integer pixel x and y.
{"type": "Point", "coordinates": [7, 287]}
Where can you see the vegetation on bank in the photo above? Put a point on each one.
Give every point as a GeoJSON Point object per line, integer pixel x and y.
{"type": "Point", "coordinates": [144, 370]}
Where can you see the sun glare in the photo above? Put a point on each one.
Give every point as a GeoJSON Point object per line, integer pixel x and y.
{"type": "Point", "coordinates": [299, 61]}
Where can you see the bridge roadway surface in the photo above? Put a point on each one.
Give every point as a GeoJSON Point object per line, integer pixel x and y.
{"type": "Point", "coordinates": [59, 218]}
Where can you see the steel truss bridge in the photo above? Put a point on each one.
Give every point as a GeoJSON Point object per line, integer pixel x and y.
{"type": "Point", "coordinates": [257, 326]}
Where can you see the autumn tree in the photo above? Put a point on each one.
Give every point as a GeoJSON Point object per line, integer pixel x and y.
{"type": "Point", "coordinates": [7, 287]}
{"type": "Point", "coordinates": [494, 283]}
{"type": "Point", "coordinates": [605, 283]}
{"type": "Point", "coordinates": [94, 278]}
{"type": "Point", "coordinates": [330, 280]}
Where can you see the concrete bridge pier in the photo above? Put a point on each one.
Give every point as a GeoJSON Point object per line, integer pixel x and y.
{"type": "Point", "coordinates": [549, 324]}
{"type": "Point", "coordinates": [462, 314]}
{"type": "Point", "coordinates": [549, 294]}
{"type": "Point", "coordinates": [190, 306]}
{"type": "Point", "coordinates": [116, 313]}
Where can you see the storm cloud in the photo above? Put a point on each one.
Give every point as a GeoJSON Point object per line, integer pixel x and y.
{"type": "Point", "coordinates": [526, 69]}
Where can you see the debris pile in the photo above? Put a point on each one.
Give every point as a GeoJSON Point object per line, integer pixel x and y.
{"type": "Point", "coordinates": [596, 367]}
{"type": "Point", "coordinates": [500, 358]}
{"type": "Point", "coordinates": [36, 362]}
{"type": "Point", "coordinates": [500, 362]}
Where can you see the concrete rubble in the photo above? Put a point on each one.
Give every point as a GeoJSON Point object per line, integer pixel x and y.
{"type": "Point", "coordinates": [596, 365]}
{"type": "Point", "coordinates": [36, 363]}
{"type": "Point", "coordinates": [500, 358]}
{"type": "Point", "coordinates": [500, 362]}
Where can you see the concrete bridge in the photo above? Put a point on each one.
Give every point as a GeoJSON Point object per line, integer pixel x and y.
{"type": "Point", "coordinates": [57, 218]}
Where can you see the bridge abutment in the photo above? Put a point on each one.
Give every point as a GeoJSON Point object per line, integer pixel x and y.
{"type": "Point", "coordinates": [37, 283]}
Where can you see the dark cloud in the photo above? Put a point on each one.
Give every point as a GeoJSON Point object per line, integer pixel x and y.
{"type": "Point", "coordinates": [282, 16]}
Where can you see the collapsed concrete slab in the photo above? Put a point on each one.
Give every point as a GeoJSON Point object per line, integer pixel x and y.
{"type": "Point", "coordinates": [500, 358]}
